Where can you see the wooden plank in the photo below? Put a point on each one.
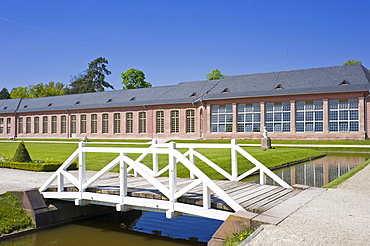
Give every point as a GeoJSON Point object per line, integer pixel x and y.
{"type": "Point", "coordinates": [277, 201]}
{"type": "Point", "coordinates": [261, 197]}
{"type": "Point", "coordinates": [245, 197]}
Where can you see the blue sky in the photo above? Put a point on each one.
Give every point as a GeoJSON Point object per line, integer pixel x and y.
{"type": "Point", "coordinates": [177, 41]}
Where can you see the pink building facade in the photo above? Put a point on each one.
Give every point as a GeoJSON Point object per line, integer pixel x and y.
{"type": "Point", "coordinates": [321, 103]}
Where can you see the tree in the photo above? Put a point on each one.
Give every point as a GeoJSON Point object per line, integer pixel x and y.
{"type": "Point", "coordinates": [215, 75]}
{"type": "Point", "coordinates": [39, 90]}
{"type": "Point", "coordinates": [4, 94]}
{"type": "Point", "coordinates": [352, 62]}
{"type": "Point", "coordinates": [47, 90]}
{"type": "Point", "coordinates": [21, 154]}
{"type": "Point", "coordinates": [20, 92]}
{"type": "Point", "coordinates": [134, 79]}
{"type": "Point", "coordinates": [92, 79]}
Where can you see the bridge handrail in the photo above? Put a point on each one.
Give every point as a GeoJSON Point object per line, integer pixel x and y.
{"type": "Point", "coordinates": [235, 148]}
{"type": "Point", "coordinates": [171, 192]}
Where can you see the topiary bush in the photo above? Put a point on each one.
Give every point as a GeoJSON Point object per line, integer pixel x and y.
{"type": "Point", "coordinates": [21, 154]}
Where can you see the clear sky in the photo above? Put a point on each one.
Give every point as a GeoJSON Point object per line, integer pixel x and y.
{"type": "Point", "coordinates": [175, 41]}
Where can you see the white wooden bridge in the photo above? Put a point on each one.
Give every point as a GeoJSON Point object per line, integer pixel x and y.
{"type": "Point", "coordinates": [145, 189]}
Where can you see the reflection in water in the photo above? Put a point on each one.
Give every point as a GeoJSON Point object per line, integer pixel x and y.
{"type": "Point", "coordinates": [124, 229]}
{"type": "Point", "coordinates": [316, 173]}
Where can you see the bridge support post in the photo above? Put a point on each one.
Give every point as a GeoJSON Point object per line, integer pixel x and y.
{"type": "Point", "coordinates": [172, 180]}
{"type": "Point", "coordinates": [155, 158]}
{"type": "Point", "coordinates": [234, 160]}
{"type": "Point", "coordinates": [81, 173]}
{"type": "Point", "coordinates": [192, 160]}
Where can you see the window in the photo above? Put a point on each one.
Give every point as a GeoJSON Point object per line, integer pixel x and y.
{"type": "Point", "coordinates": [28, 125]}
{"type": "Point", "coordinates": [105, 123]}
{"type": "Point", "coordinates": [20, 125]}
{"type": "Point", "coordinates": [53, 124]}
{"type": "Point", "coordinates": [117, 123]}
{"type": "Point", "coordinates": [83, 123]}
{"type": "Point", "coordinates": [222, 118]}
{"type": "Point", "coordinates": [45, 124]}
{"type": "Point", "coordinates": [278, 117]}
{"type": "Point", "coordinates": [36, 124]}
{"type": "Point", "coordinates": [94, 123]}
{"type": "Point", "coordinates": [142, 122]}
{"type": "Point", "coordinates": [73, 124]}
{"type": "Point", "coordinates": [63, 124]}
{"type": "Point", "coordinates": [1, 125]}
{"type": "Point", "coordinates": [309, 116]}
{"type": "Point", "coordinates": [343, 115]}
{"type": "Point", "coordinates": [8, 125]}
{"type": "Point", "coordinates": [190, 116]}
{"type": "Point", "coordinates": [129, 122]}
{"type": "Point", "coordinates": [160, 121]}
{"type": "Point", "coordinates": [174, 121]}
{"type": "Point", "coordinates": [249, 117]}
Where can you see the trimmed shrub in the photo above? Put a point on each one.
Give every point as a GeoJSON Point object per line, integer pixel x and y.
{"type": "Point", "coordinates": [32, 166]}
{"type": "Point", "coordinates": [21, 154]}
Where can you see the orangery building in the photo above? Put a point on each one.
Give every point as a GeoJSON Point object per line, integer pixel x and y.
{"type": "Point", "coordinates": [319, 103]}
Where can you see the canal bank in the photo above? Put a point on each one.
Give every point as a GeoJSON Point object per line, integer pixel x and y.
{"type": "Point", "coordinates": [339, 216]}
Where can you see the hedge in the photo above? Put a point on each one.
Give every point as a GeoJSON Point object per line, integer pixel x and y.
{"type": "Point", "coordinates": [32, 166]}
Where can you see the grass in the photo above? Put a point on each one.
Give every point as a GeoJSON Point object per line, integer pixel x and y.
{"type": "Point", "coordinates": [12, 215]}
{"type": "Point", "coordinates": [222, 157]}
{"type": "Point", "coordinates": [236, 239]}
{"type": "Point", "coordinates": [347, 175]}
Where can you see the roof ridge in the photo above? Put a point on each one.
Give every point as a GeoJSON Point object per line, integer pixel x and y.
{"type": "Point", "coordinates": [287, 71]}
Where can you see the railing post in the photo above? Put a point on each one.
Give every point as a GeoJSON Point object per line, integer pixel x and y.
{"type": "Point", "coordinates": [192, 160]}
{"type": "Point", "coordinates": [122, 183]}
{"type": "Point", "coordinates": [81, 173]}
{"type": "Point", "coordinates": [172, 179]}
{"type": "Point", "coordinates": [155, 158]}
{"type": "Point", "coordinates": [60, 182]}
{"type": "Point", "coordinates": [206, 197]}
{"type": "Point", "coordinates": [262, 177]}
{"type": "Point", "coordinates": [234, 160]}
{"type": "Point", "coordinates": [81, 165]}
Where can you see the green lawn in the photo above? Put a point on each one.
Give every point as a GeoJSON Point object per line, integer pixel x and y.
{"type": "Point", "coordinates": [12, 215]}
{"type": "Point", "coordinates": [96, 161]}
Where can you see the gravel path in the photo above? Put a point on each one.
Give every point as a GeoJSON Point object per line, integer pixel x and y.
{"type": "Point", "coordinates": [13, 179]}
{"type": "Point", "coordinates": [340, 216]}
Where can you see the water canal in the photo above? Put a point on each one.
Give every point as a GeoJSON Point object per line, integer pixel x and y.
{"type": "Point", "coordinates": [316, 173]}
{"type": "Point", "coordinates": [152, 228]}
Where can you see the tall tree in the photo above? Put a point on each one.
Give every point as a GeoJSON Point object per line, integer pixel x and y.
{"type": "Point", "coordinates": [92, 79]}
{"type": "Point", "coordinates": [134, 79]}
{"type": "Point", "coordinates": [352, 62]}
{"type": "Point", "coordinates": [4, 94]}
{"type": "Point", "coordinates": [215, 75]}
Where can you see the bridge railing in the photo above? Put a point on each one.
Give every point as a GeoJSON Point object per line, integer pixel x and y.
{"type": "Point", "coordinates": [126, 163]}
{"type": "Point", "coordinates": [191, 153]}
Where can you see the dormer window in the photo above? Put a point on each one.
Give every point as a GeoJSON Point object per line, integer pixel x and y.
{"type": "Point", "coordinates": [344, 82]}
{"type": "Point", "coordinates": [226, 90]}
{"type": "Point", "coordinates": [279, 87]}
{"type": "Point", "coordinates": [193, 95]}
{"type": "Point", "coordinates": [25, 106]}
{"type": "Point", "coordinates": [78, 102]}
{"type": "Point", "coordinates": [109, 100]}
{"type": "Point", "coordinates": [5, 108]}
{"type": "Point", "coordinates": [132, 99]}
{"type": "Point", "coordinates": [50, 104]}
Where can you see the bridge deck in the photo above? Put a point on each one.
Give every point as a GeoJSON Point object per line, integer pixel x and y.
{"type": "Point", "coordinates": [253, 197]}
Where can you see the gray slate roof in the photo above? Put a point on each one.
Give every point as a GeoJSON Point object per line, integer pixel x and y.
{"type": "Point", "coordinates": [307, 81]}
